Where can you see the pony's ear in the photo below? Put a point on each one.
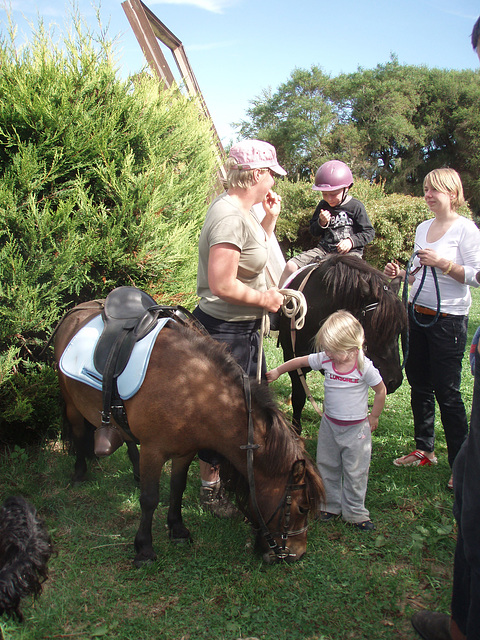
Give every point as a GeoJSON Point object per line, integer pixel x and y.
{"type": "Point", "coordinates": [395, 284]}
{"type": "Point", "coordinates": [364, 285]}
{"type": "Point", "coordinates": [298, 471]}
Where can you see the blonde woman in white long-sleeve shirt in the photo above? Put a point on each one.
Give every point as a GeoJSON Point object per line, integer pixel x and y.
{"type": "Point", "coordinates": [449, 244]}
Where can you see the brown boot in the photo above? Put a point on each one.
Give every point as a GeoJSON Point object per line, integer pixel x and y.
{"type": "Point", "coordinates": [214, 499]}
{"type": "Point", "coordinates": [431, 625]}
{"type": "Point", "coordinates": [107, 440]}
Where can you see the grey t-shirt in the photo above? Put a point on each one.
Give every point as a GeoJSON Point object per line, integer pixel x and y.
{"type": "Point", "coordinates": [226, 223]}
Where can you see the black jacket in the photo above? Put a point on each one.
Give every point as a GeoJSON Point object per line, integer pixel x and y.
{"type": "Point", "coordinates": [348, 220]}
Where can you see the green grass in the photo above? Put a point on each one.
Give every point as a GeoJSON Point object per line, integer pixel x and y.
{"type": "Point", "coordinates": [350, 584]}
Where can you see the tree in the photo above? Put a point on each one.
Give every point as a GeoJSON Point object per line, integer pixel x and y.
{"type": "Point", "coordinates": [296, 119]}
{"type": "Point", "coordinates": [380, 103]}
{"type": "Point", "coordinates": [393, 123]}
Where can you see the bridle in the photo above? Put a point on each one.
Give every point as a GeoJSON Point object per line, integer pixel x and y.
{"type": "Point", "coordinates": [281, 552]}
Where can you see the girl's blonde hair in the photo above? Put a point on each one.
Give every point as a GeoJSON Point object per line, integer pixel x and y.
{"type": "Point", "coordinates": [448, 181]}
{"type": "Point", "coordinates": [242, 178]}
{"type": "Point", "coordinates": [341, 332]}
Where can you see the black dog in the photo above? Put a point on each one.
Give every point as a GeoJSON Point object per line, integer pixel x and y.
{"type": "Point", "coordinates": [25, 548]}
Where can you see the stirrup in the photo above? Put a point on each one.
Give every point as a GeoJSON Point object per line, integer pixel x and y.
{"type": "Point", "coordinates": [107, 439]}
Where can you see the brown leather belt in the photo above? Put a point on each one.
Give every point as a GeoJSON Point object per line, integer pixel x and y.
{"type": "Point", "coordinates": [428, 312]}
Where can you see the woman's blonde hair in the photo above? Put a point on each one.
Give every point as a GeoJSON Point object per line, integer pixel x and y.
{"type": "Point", "coordinates": [341, 331]}
{"type": "Point", "coordinates": [448, 181]}
{"type": "Point", "coordinates": [243, 178]}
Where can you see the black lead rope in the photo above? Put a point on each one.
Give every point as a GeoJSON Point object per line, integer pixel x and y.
{"type": "Point", "coordinates": [410, 309]}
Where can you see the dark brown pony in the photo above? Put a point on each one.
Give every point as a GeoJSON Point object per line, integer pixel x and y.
{"type": "Point", "coordinates": [195, 396]}
{"type": "Point", "coordinates": [347, 282]}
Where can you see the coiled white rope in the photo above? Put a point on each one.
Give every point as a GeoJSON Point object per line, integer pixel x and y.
{"type": "Point", "coordinates": [294, 306]}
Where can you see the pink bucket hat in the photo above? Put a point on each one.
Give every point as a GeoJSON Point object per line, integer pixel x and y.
{"type": "Point", "coordinates": [256, 154]}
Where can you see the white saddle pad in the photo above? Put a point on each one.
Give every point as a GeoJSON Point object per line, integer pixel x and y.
{"type": "Point", "coordinates": [77, 359]}
{"type": "Point", "coordinates": [295, 274]}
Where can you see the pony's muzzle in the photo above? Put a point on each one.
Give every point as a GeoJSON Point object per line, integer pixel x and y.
{"type": "Point", "coordinates": [270, 557]}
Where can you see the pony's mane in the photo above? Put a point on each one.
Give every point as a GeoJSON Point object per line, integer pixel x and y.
{"type": "Point", "coordinates": [282, 446]}
{"type": "Point", "coordinates": [351, 280]}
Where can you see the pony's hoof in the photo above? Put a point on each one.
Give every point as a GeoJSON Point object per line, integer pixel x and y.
{"type": "Point", "coordinates": [143, 561]}
{"type": "Point", "coordinates": [180, 536]}
{"type": "Point", "coordinates": [77, 482]}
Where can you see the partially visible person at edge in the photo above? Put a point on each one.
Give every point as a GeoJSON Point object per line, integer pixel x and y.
{"type": "Point", "coordinates": [463, 623]}
{"type": "Point", "coordinates": [344, 444]}
{"type": "Point", "coordinates": [340, 221]}
{"type": "Point", "coordinates": [231, 284]}
{"type": "Point", "coordinates": [450, 244]}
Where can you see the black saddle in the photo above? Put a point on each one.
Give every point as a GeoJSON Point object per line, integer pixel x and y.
{"type": "Point", "coordinates": [129, 314]}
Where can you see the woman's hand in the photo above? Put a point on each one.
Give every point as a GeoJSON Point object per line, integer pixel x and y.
{"type": "Point", "coordinates": [272, 204]}
{"type": "Point", "coordinates": [392, 270]}
{"type": "Point", "coordinates": [272, 300]}
{"type": "Point", "coordinates": [430, 258]}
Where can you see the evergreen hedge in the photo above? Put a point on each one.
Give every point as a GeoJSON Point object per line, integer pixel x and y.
{"type": "Point", "coordinates": [104, 182]}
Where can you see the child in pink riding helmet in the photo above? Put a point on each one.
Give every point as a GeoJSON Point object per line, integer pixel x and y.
{"type": "Point", "coordinates": [340, 222]}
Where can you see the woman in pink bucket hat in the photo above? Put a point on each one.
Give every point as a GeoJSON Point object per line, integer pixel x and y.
{"type": "Point", "coordinates": [232, 254]}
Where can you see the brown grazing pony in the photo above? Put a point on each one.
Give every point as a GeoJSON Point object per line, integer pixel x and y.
{"type": "Point", "coordinates": [195, 396]}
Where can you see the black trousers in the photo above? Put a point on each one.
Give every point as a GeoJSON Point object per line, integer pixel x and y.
{"type": "Point", "coordinates": [466, 483]}
{"type": "Point", "coordinates": [434, 368]}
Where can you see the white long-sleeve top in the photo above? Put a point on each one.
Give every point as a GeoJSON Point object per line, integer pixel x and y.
{"type": "Point", "coordinates": [461, 244]}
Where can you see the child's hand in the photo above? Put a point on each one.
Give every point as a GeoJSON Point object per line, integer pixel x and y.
{"type": "Point", "coordinates": [345, 245]}
{"type": "Point", "coordinates": [272, 375]}
{"type": "Point", "coordinates": [373, 422]}
{"type": "Point", "coordinates": [324, 218]}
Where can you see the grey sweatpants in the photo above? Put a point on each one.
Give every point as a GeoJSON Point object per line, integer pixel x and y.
{"type": "Point", "coordinates": [343, 460]}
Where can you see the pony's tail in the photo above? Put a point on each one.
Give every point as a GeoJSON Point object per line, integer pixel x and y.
{"type": "Point", "coordinates": [72, 443]}
{"type": "Point", "coordinates": [25, 548]}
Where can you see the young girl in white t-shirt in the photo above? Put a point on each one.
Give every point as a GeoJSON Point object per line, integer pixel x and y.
{"type": "Point", "coordinates": [344, 439]}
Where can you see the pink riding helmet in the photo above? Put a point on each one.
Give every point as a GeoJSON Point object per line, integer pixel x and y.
{"type": "Point", "coordinates": [333, 175]}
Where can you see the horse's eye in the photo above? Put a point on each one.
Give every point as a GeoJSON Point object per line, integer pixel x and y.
{"type": "Point", "coordinates": [303, 510]}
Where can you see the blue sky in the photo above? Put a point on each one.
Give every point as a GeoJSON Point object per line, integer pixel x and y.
{"type": "Point", "coordinates": [238, 48]}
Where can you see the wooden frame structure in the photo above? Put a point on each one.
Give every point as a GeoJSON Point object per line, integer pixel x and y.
{"type": "Point", "coordinates": [150, 31]}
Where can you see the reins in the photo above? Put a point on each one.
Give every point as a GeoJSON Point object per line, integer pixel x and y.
{"type": "Point", "coordinates": [281, 552]}
{"type": "Point", "coordinates": [293, 335]}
